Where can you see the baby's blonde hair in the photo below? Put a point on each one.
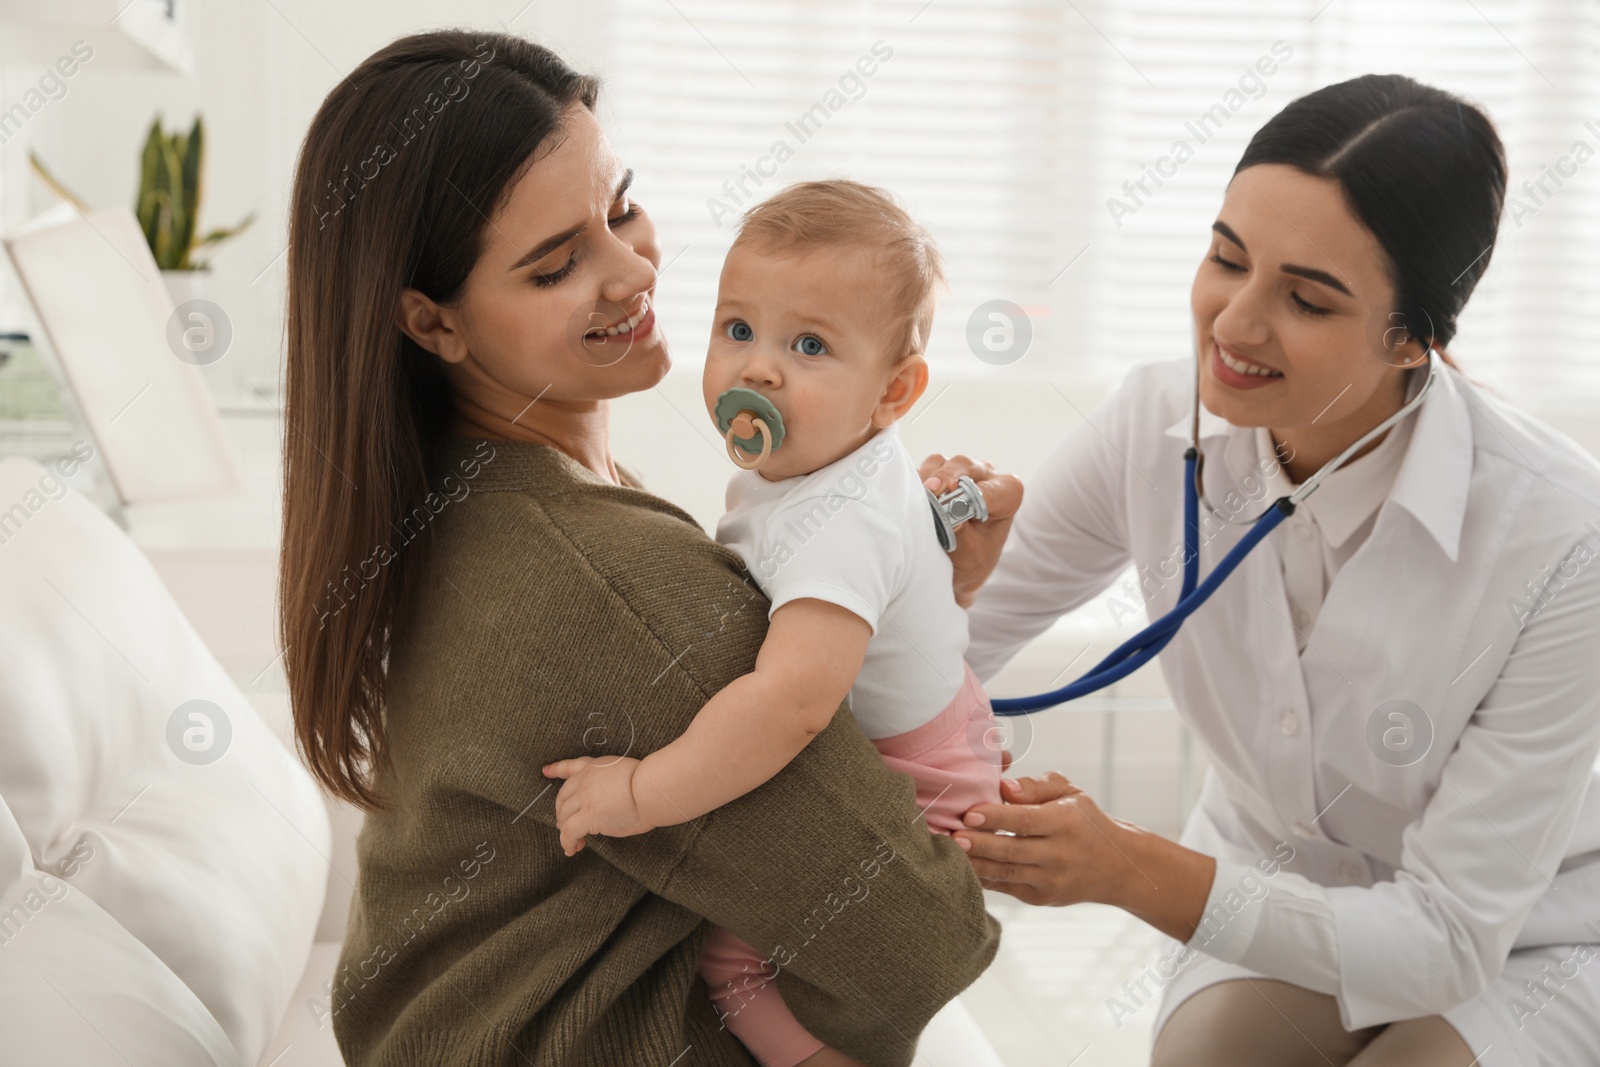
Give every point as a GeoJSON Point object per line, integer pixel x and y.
{"type": "Point", "coordinates": [838, 211]}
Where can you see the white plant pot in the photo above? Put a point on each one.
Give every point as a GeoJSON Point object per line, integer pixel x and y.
{"type": "Point", "coordinates": [185, 285]}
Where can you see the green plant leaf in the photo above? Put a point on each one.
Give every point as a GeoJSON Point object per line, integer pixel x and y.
{"type": "Point", "coordinates": [145, 205]}
{"type": "Point", "coordinates": [223, 233]}
{"type": "Point", "coordinates": [171, 187]}
{"type": "Point", "coordinates": [191, 154]}
{"type": "Point", "coordinates": [174, 242]}
{"type": "Point", "coordinates": [162, 249]}
{"type": "Point", "coordinates": [55, 185]}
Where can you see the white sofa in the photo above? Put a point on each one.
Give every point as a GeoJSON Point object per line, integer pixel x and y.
{"type": "Point", "coordinates": [163, 855]}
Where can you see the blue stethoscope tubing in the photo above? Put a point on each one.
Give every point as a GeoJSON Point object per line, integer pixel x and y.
{"type": "Point", "coordinates": [1143, 646]}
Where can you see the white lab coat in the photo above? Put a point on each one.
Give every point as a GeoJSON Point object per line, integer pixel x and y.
{"type": "Point", "coordinates": [1410, 885]}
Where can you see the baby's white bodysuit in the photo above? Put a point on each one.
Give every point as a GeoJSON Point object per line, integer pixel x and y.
{"type": "Point", "coordinates": [860, 533]}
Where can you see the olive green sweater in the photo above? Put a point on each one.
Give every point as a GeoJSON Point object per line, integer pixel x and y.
{"type": "Point", "coordinates": [557, 614]}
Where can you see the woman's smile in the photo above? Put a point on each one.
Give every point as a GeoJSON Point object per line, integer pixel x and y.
{"type": "Point", "coordinates": [635, 326]}
{"type": "Point", "coordinates": [1239, 373]}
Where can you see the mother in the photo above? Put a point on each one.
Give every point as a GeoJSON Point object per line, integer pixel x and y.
{"type": "Point", "coordinates": [472, 588]}
{"type": "Point", "coordinates": [1396, 855]}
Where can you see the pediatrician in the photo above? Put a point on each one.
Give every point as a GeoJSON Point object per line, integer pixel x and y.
{"type": "Point", "coordinates": [1393, 859]}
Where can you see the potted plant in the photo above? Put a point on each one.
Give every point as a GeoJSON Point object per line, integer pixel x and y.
{"type": "Point", "coordinates": [168, 206]}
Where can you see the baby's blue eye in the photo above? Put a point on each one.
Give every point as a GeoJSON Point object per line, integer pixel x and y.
{"type": "Point", "coordinates": [811, 346]}
{"type": "Point", "coordinates": [740, 331]}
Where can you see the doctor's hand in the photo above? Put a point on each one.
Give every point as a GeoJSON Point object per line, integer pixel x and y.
{"type": "Point", "coordinates": [596, 798]}
{"type": "Point", "coordinates": [978, 544]}
{"type": "Point", "coordinates": [1049, 843]}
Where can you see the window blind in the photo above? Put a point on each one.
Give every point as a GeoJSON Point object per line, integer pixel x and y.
{"type": "Point", "coordinates": [1039, 140]}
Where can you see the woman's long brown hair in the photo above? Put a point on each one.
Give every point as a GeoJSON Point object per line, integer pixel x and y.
{"type": "Point", "coordinates": [403, 165]}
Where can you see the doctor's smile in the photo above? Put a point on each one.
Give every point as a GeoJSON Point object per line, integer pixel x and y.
{"type": "Point", "coordinates": [1240, 373]}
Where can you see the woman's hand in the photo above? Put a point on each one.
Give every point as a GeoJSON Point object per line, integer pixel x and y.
{"type": "Point", "coordinates": [596, 798]}
{"type": "Point", "coordinates": [978, 544]}
{"type": "Point", "coordinates": [1065, 850]}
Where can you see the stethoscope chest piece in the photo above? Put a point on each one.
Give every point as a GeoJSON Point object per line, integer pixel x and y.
{"type": "Point", "coordinates": [963, 502]}
{"type": "Point", "coordinates": [748, 422]}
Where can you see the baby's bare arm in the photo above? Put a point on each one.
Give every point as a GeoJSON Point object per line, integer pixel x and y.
{"type": "Point", "coordinates": [760, 721]}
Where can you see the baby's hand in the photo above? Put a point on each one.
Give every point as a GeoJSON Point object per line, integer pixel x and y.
{"type": "Point", "coordinates": [597, 798]}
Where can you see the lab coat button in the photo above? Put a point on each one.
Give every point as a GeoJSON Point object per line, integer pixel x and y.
{"type": "Point", "coordinates": [1302, 531]}
{"type": "Point", "coordinates": [1289, 724]}
{"type": "Point", "coordinates": [1302, 619]}
{"type": "Point", "coordinates": [1348, 872]}
{"type": "Point", "coordinates": [1301, 829]}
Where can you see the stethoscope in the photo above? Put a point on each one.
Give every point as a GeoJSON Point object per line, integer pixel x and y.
{"type": "Point", "coordinates": [1143, 646]}
{"type": "Point", "coordinates": [750, 423]}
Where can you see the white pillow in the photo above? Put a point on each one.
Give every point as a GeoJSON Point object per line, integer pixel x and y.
{"type": "Point", "coordinates": [75, 987]}
{"type": "Point", "coordinates": [217, 867]}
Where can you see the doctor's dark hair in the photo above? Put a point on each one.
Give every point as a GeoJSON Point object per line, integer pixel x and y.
{"type": "Point", "coordinates": [401, 168]}
{"type": "Point", "coordinates": [1421, 168]}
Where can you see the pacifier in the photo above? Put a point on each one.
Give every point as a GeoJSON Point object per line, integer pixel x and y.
{"type": "Point", "coordinates": [748, 423]}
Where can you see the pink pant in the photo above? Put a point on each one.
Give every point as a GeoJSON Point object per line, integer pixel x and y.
{"type": "Point", "coordinates": [954, 759]}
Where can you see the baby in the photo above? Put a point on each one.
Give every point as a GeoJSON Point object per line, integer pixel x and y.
{"type": "Point", "coordinates": [823, 311]}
